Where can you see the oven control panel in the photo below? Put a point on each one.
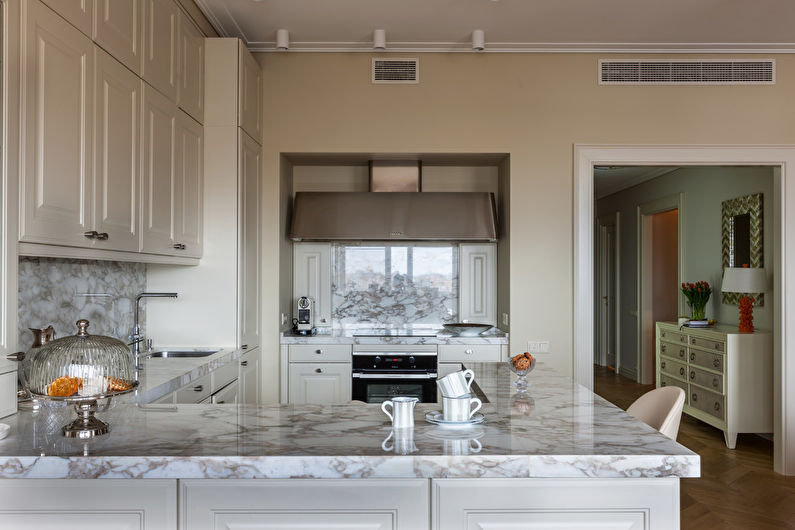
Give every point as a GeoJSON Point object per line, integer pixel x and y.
{"type": "Point", "coordinates": [394, 361]}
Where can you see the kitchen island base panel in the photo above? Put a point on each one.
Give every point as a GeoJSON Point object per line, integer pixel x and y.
{"type": "Point", "coordinates": [383, 504]}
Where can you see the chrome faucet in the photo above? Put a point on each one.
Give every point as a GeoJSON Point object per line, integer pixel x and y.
{"type": "Point", "coordinates": [136, 337]}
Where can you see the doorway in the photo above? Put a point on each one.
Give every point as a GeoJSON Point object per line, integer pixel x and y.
{"type": "Point", "coordinates": [607, 303]}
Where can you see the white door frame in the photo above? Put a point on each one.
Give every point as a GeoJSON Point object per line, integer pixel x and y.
{"type": "Point", "coordinates": [614, 219]}
{"type": "Point", "coordinates": [782, 159]}
{"type": "Point", "coordinates": [663, 204]}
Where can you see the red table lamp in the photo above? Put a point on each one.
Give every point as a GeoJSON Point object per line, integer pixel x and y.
{"type": "Point", "coordinates": [744, 280]}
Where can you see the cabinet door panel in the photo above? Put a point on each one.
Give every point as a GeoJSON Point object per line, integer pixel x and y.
{"type": "Point", "coordinates": [76, 12]}
{"type": "Point", "coordinates": [159, 172]}
{"type": "Point", "coordinates": [191, 69]}
{"type": "Point", "coordinates": [322, 383]}
{"type": "Point", "coordinates": [249, 378]}
{"type": "Point", "coordinates": [478, 301]}
{"type": "Point", "coordinates": [249, 167]}
{"type": "Point", "coordinates": [118, 28]}
{"type": "Point", "coordinates": [57, 112]}
{"type": "Point", "coordinates": [117, 150]}
{"type": "Point", "coordinates": [312, 278]}
{"type": "Point", "coordinates": [250, 94]}
{"type": "Point", "coordinates": [160, 46]}
{"type": "Point", "coordinates": [189, 186]}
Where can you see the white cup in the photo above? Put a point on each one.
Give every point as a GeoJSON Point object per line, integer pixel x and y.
{"type": "Point", "coordinates": [402, 411]}
{"type": "Point", "coordinates": [456, 384]}
{"type": "Point", "coordinates": [459, 408]}
{"type": "Point", "coordinates": [403, 444]}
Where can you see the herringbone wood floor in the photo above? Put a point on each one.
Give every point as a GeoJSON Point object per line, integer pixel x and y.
{"type": "Point", "coordinates": [737, 489]}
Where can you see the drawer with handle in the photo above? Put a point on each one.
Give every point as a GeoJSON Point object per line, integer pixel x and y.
{"type": "Point", "coordinates": [673, 336]}
{"type": "Point", "coordinates": [706, 379]}
{"type": "Point", "coordinates": [196, 391]}
{"type": "Point", "coordinates": [673, 350]}
{"type": "Point", "coordinates": [709, 344]}
{"type": "Point", "coordinates": [666, 380]}
{"type": "Point", "coordinates": [469, 352]}
{"type": "Point", "coordinates": [320, 352]}
{"type": "Point", "coordinates": [709, 402]}
{"type": "Point", "coordinates": [705, 359]}
{"type": "Point", "coordinates": [673, 368]}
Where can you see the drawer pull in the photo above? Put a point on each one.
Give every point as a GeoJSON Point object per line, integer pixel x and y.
{"type": "Point", "coordinates": [682, 353]}
{"type": "Point", "coordinates": [682, 371]}
{"type": "Point", "coordinates": [694, 397]}
{"type": "Point", "coordinates": [244, 346]}
{"type": "Point", "coordinates": [318, 352]}
{"type": "Point", "coordinates": [717, 406]}
{"type": "Point", "coordinates": [692, 356]}
{"type": "Point", "coordinates": [662, 334]}
{"type": "Point", "coordinates": [716, 363]}
{"type": "Point", "coordinates": [198, 388]}
{"type": "Point", "coordinates": [319, 370]}
{"type": "Point", "coordinates": [662, 348]}
{"type": "Point", "coordinates": [692, 374]}
{"type": "Point", "coordinates": [92, 234]}
{"type": "Point", "coordinates": [692, 341]}
{"type": "Point", "coordinates": [243, 363]}
{"type": "Point", "coordinates": [468, 351]}
{"type": "Point", "coordinates": [662, 364]}
{"type": "Point", "coordinates": [103, 236]}
{"type": "Point", "coordinates": [715, 382]}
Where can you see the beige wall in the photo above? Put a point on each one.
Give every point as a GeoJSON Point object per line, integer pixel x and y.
{"type": "Point", "coordinates": [534, 107]}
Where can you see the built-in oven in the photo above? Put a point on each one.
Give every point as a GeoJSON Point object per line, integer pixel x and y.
{"type": "Point", "coordinates": [383, 373]}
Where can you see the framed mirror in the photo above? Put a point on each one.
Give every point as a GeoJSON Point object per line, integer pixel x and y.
{"type": "Point", "coordinates": [742, 239]}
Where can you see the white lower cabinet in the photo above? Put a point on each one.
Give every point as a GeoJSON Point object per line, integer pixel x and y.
{"type": "Point", "coordinates": [323, 383]}
{"type": "Point", "coordinates": [388, 504]}
{"type": "Point", "coordinates": [123, 504]}
{"type": "Point", "coordinates": [249, 377]}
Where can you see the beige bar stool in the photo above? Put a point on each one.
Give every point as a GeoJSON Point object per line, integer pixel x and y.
{"type": "Point", "coordinates": [660, 408]}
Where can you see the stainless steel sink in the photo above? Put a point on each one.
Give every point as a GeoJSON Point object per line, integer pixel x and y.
{"type": "Point", "coordinates": [182, 352]}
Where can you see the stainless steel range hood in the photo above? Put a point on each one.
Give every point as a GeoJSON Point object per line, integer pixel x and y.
{"type": "Point", "coordinates": [412, 216]}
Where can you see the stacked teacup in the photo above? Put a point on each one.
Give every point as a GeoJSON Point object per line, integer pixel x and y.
{"type": "Point", "coordinates": [457, 398]}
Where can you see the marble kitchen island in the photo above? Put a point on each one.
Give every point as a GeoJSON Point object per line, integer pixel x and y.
{"type": "Point", "coordinates": [558, 455]}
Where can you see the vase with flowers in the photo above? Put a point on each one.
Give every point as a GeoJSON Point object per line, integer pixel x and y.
{"type": "Point", "coordinates": [697, 295]}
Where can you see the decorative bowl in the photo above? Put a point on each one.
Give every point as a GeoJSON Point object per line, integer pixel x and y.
{"type": "Point", "coordinates": [521, 365]}
{"type": "Point", "coordinates": [466, 329]}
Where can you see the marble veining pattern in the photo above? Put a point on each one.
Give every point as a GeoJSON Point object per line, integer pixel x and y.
{"type": "Point", "coordinates": [61, 291]}
{"type": "Point", "coordinates": [558, 429]}
{"type": "Point", "coordinates": [345, 336]}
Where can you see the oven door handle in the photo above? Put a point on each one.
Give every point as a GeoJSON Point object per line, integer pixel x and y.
{"type": "Point", "coordinates": [357, 375]}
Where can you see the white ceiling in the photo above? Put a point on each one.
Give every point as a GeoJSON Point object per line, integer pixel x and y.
{"type": "Point", "coordinates": [612, 179]}
{"type": "Point", "coordinates": [764, 26]}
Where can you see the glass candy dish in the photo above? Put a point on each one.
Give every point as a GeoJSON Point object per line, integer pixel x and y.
{"type": "Point", "coordinates": [81, 370]}
{"type": "Point", "coordinates": [521, 365]}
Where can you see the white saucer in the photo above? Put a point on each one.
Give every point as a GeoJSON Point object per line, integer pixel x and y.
{"type": "Point", "coordinates": [437, 418]}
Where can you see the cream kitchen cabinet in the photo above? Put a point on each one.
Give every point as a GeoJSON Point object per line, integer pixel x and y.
{"type": "Point", "coordinates": [57, 113]}
{"type": "Point", "coordinates": [119, 28]}
{"type": "Point", "coordinates": [190, 68]}
{"type": "Point", "coordinates": [250, 377]}
{"type": "Point", "coordinates": [189, 187]}
{"type": "Point", "coordinates": [79, 13]}
{"type": "Point", "coordinates": [160, 46]}
{"type": "Point", "coordinates": [312, 278]}
{"type": "Point", "coordinates": [322, 383]}
{"type": "Point", "coordinates": [243, 107]}
{"type": "Point", "coordinates": [478, 283]}
{"type": "Point", "coordinates": [117, 155]}
{"type": "Point", "coordinates": [250, 96]}
{"type": "Point", "coordinates": [249, 169]}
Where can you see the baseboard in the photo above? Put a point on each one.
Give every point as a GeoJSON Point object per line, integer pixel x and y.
{"type": "Point", "coordinates": [628, 372]}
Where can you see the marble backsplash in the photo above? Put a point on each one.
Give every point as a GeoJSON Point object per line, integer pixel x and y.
{"type": "Point", "coordinates": [61, 291]}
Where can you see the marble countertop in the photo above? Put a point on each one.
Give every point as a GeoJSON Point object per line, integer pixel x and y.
{"type": "Point", "coordinates": [163, 376]}
{"type": "Point", "coordinates": [556, 429]}
{"type": "Point", "coordinates": [345, 336]}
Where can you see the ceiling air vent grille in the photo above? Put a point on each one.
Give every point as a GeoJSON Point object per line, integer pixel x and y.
{"type": "Point", "coordinates": [726, 72]}
{"type": "Point", "coordinates": [396, 71]}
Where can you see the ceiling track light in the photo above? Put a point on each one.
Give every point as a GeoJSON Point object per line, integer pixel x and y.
{"type": "Point", "coordinates": [478, 40]}
{"type": "Point", "coordinates": [379, 39]}
{"type": "Point", "coordinates": [282, 39]}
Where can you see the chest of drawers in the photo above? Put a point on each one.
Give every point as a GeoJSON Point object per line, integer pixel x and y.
{"type": "Point", "coordinates": [727, 376]}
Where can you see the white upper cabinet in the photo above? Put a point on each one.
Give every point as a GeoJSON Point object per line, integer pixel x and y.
{"type": "Point", "coordinates": [57, 101]}
{"type": "Point", "coordinates": [478, 280]}
{"type": "Point", "coordinates": [159, 172]}
{"type": "Point", "coordinates": [117, 154]}
{"type": "Point", "coordinates": [312, 278]}
{"type": "Point", "coordinates": [190, 96]}
{"type": "Point", "coordinates": [76, 12]}
{"type": "Point", "coordinates": [160, 46]}
{"type": "Point", "coordinates": [119, 29]}
{"type": "Point", "coordinates": [250, 95]}
{"type": "Point", "coordinates": [249, 168]}
{"type": "Point", "coordinates": [188, 187]}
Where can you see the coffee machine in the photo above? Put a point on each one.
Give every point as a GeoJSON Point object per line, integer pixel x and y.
{"type": "Point", "coordinates": [304, 324]}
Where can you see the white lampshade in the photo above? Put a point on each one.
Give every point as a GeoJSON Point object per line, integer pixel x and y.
{"type": "Point", "coordinates": [743, 280]}
{"type": "Point", "coordinates": [478, 40]}
{"type": "Point", "coordinates": [282, 39]}
{"type": "Point", "coordinates": [379, 39]}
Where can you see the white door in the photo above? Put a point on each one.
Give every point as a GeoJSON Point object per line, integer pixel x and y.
{"type": "Point", "coordinates": [249, 166]}
{"type": "Point", "coordinates": [159, 172]}
{"type": "Point", "coordinates": [119, 29]}
{"type": "Point", "coordinates": [117, 154]}
{"type": "Point", "coordinates": [322, 383]}
{"type": "Point", "coordinates": [76, 12]}
{"type": "Point", "coordinates": [188, 186]}
{"type": "Point", "coordinates": [312, 278]}
{"type": "Point", "coordinates": [607, 303]}
{"type": "Point", "coordinates": [57, 103]}
{"type": "Point", "coordinates": [478, 276]}
{"type": "Point", "coordinates": [249, 378]}
{"type": "Point", "coordinates": [190, 95]}
{"type": "Point", "coordinates": [160, 46]}
{"type": "Point", "coordinates": [250, 94]}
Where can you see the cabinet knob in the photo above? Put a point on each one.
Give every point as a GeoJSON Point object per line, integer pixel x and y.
{"type": "Point", "coordinates": [715, 382]}
{"type": "Point", "coordinates": [318, 352]}
{"type": "Point", "coordinates": [717, 406]}
{"type": "Point", "coordinates": [319, 370]}
{"type": "Point", "coordinates": [694, 397]}
{"type": "Point", "coordinates": [468, 351]}
{"type": "Point", "coordinates": [692, 374]}
{"type": "Point", "coordinates": [719, 346]}
{"type": "Point", "coordinates": [682, 371]}
{"type": "Point", "coordinates": [693, 340]}
{"type": "Point", "coordinates": [243, 363]}
{"type": "Point", "coordinates": [663, 383]}
{"type": "Point", "coordinates": [198, 388]}
{"type": "Point", "coordinates": [179, 246]}
{"type": "Point", "coordinates": [682, 353]}
{"type": "Point", "coordinates": [244, 346]}
{"type": "Point", "coordinates": [662, 348]}
{"type": "Point", "coordinates": [662, 364]}
{"type": "Point", "coordinates": [692, 356]}
{"type": "Point", "coordinates": [91, 234]}
{"type": "Point", "coordinates": [662, 334]}
{"type": "Point", "coordinates": [716, 363]}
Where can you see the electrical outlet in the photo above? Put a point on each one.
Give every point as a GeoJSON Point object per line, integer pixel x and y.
{"type": "Point", "coordinates": [505, 319]}
{"type": "Point", "coordinates": [538, 346]}
{"type": "Point", "coordinates": [284, 318]}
